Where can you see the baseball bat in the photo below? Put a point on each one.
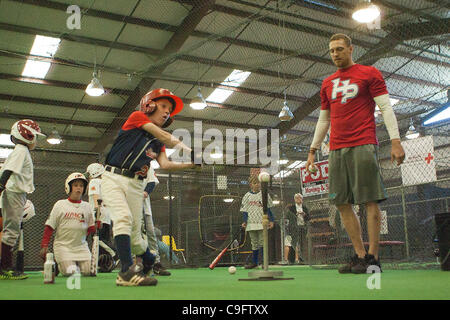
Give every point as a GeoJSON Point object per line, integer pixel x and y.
{"type": "Point", "coordinates": [264, 195]}
{"type": "Point", "coordinates": [220, 255]}
{"type": "Point", "coordinates": [95, 242]}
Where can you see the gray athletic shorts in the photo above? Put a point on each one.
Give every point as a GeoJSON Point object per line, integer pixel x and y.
{"type": "Point", "coordinates": [354, 176]}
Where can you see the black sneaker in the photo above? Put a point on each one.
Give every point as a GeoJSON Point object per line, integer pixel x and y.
{"type": "Point", "coordinates": [159, 270]}
{"type": "Point", "coordinates": [355, 260]}
{"type": "Point", "coordinates": [373, 265]}
{"type": "Point", "coordinates": [250, 266]}
{"type": "Point", "coordinates": [134, 277]}
{"type": "Point", "coordinates": [12, 275]}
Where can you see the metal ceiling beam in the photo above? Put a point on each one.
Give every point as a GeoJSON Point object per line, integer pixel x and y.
{"type": "Point", "coordinates": [57, 83]}
{"type": "Point", "coordinates": [190, 22]}
{"type": "Point", "coordinates": [64, 137]}
{"type": "Point", "coordinates": [54, 120]}
{"type": "Point", "coordinates": [57, 103]}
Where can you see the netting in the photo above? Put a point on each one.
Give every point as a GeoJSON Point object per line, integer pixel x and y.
{"type": "Point", "coordinates": [218, 219]}
{"type": "Point", "coordinates": [282, 48]}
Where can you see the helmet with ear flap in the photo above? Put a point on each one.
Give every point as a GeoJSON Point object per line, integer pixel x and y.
{"type": "Point", "coordinates": [148, 104]}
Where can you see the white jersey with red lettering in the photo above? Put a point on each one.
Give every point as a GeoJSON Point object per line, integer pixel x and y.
{"type": "Point", "coordinates": [252, 204]}
{"type": "Point", "coordinates": [70, 220]}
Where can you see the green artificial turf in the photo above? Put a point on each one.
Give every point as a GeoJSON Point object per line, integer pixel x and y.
{"type": "Point", "coordinates": [218, 284]}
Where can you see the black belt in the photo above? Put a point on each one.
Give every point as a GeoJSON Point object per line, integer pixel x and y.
{"type": "Point", "coordinates": [124, 172]}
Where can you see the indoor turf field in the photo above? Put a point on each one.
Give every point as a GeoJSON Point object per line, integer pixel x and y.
{"type": "Point", "coordinates": [218, 284]}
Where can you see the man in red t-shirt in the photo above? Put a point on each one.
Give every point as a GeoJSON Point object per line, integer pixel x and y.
{"type": "Point", "coordinates": [348, 100]}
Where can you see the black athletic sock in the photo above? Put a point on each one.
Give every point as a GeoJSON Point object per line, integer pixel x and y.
{"type": "Point", "coordinates": [148, 259]}
{"type": "Point", "coordinates": [123, 246]}
{"type": "Point", "coordinates": [6, 261]}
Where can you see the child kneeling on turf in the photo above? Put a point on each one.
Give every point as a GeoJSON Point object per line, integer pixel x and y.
{"type": "Point", "coordinates": [73, 221]}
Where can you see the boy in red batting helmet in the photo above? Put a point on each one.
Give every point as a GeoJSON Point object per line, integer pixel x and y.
{"type": "Point", "coordinates": [140, 140]}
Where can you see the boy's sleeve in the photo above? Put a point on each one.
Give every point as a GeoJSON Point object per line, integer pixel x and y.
{"type": "Point", "coordinates": [149, 187]}
{"type": "Point", "coordinates": [136, 120]}
{"type": "Point", "coordinates": [15, 161]}
{"type": "Point", "coordinates": [245, 216]}
{"type": "Point", "coordinates": [270, 214]}
{"type": "Point", "coordinates": [269, 202]}
{"type": "Point", "coordinates": [52, 220]}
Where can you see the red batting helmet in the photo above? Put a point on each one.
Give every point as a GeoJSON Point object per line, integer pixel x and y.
{"type": "Point", "coordinates": [26, 131]}
{"type": "Point", "coordinates": [147, 104]}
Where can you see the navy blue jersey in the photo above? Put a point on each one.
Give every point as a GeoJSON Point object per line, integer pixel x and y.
{"type": "Point", "coordinates": [134, 147]}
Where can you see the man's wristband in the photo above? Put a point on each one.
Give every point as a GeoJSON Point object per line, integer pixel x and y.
{"type": "Point", "coordinates": [312, 151]}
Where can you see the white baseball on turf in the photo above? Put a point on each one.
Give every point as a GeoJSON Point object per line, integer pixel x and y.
{"type": "Point", "coordinates": [264, 177]}
{"type": "Point", "coordinates": [232, 270]}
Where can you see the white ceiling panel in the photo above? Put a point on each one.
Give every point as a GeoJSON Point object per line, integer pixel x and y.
{"type": "Point", "coordinates": [162, 11]}
{"type": "Point", "coordinates": [234, 116]}
{"type": "Point", "coordinates": [16, 41]}
{"type": "Point", "coordinates": [264, 120]}
{"type": "Point", "coordinates": [108, 100]}
{"type": "Point", "coordinates": [222, 24]}
{"type": "Point", "coordinates": [144, 37]}
{"type": "Point", "coordinates": [203, 47]}
{"type": "Point", "coordinates": [35, 109]}
{"type": "Point", "coordinates": [118, 7]}
{"type": "Point", "coordinates": [12, 65]}
{"type": "Point", "coordinates": [93, 116]}
{"type": "Point", "coordinates": [129, 61]}
{"type": "Point", "coordinates": [81, 52]}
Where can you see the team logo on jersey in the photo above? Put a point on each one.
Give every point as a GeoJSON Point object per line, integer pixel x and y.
{"type": "Point", "coordinates": [143, 171]}
{"type": "Point", "coordinates": [348, 90]}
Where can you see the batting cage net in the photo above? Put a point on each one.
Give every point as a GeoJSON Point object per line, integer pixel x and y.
{"type": "Point", "coordinates": [256, 68]}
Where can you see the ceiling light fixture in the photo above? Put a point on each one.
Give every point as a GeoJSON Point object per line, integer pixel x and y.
{"type": "Point", "coordinates": [95, 88]}
{"type": "Point", "coordinates": [198, 103]}
{"type": "Point", "coordinates": [285, 113]}
{"type": "Point", "coordinates": [412, 132]}
{"type": "Point", "coordinates": [365, 12]}
{"type": "Point", "coordinates": [54, 137]}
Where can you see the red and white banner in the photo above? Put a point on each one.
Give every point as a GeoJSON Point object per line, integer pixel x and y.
{"type": "Point", "coordinates": [317, 182]}
{"type": "Point", "coordinates": [419, 165]}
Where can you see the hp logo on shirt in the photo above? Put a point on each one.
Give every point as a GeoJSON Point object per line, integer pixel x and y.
{"type": "Point", "coordinates": [348, 90]}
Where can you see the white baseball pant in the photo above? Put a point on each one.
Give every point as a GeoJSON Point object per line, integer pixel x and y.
{"type": "Point", "coordinates": [124, 197]}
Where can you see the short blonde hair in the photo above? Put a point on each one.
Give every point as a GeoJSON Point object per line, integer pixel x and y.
{"type": "Point", "coordinates": [253, 179]}
{"type": "Point", "coordinates": [342, 36]}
